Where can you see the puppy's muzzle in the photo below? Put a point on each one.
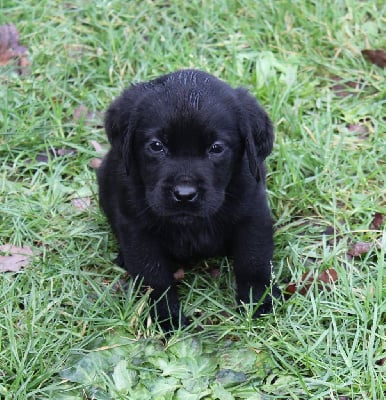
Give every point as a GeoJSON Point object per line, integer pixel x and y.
{"type": "Point", "coordinates": [185, 193]}
{"type": "Point", "coordinates": [185, 190]}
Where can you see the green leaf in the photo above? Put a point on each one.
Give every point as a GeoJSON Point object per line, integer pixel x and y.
{"type": "Point", "coordinates": [200, 366]}
{"type": "Point", "coordinates": [188, 347]}
{"type": "Point", "coordinates": [238, 359]}
{"type": "Point", "coordinates": [73, 395]}
{"type": "Point", "coordinates": [152, 348]}
{"type": "Point", "coordinates": [162, 388]}
{"type": "Point", "coordinates": [86, 371]}
{"type": "Point", "coordinates": [245, 360]}
{"type": "Point", "coordinates": [170, 367]}
{"type": "Point", "coordinates": [183, 394]}
{"type": "Point", "coordinates": [229, 377]}
{"type": "Point", "coordinates": [97, 394]}
{"type": "Point", "coordinates": [123, 378]}
{"type": "Point", "coordinates": [248, 392]}
{"type": "Point", "coordinates": [196, 385]}
{"type": "Point", "coordinates": [221, 393]}
{"type": "Point", "coordinates": [140, 392]}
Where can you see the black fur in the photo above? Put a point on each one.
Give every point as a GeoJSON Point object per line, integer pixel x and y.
{"type": "Point", "coordinates": [184, 180]}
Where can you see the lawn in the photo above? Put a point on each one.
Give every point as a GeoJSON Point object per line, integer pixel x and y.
{"type": "Point", "coordinates": [71, 324]}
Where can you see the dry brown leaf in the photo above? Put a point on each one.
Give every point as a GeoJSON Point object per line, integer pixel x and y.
{"type": "Point", "coordinates": [343, 88]}
{"type": "Point", "coordinates": [98, 147]}
{"type": "Point", "coordinates": [179, 274]}
{"type": "Point", "coordinates": [15, 258]}
{"type": "Point", "coordinates": [377, 57]}
{"type": "Point", "coordinates": [82, 113]}
{"type": "Point", "coordinates": [291, 288]}
{"type": "Point", "coordinates": [339, 398]}
{"type": "Point", "coordinates": [359, 129]}
{"type": "Point", "coordinates": [83, 203]}
{"type": "Point", "coordinates": [23, 64]}
{"type": "Point", "coordinates": [359, 248]}
{"type": "Point", "coordinates": [215, 273]}
{"type": "Point", "coordinates": [381, 362]}
{"type": "Point", "coordinates": [44, 157]}
{"type": "Point", "coordinates": [377, 221]}
{"type": "Point", "coordinates": [63, 152]}
{"type": "Point", "coordinates": [95, 163]}
{"type": "Point", "coordinates": [327, 277]}
{"type": "Point", "coordinates": [10, 47]}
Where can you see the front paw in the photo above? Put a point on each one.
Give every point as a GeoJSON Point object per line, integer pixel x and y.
{"type": "Point", "coordinates": [264, 299]}
{"type": "Point", "coordinates": [119, 260]}
{"type": "Point", "coordinates": [173, 324]}
{"type": "Point", "coordinates": [267, 304]}
{"type": "Point", "coordinates": [169, 316]}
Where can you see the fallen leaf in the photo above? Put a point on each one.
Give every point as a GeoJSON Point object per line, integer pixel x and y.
{"type": "Point", "coordinates": [327, 277]}
{"type": "Point", "coordinates": [44, 157]}
{"type": "Point", "coordinates": [377, 57]}
{"type": "Point", "coordinates": [97, 147]}
{"type": "Point", "coordinates": [15, 259]}
{"type": "Point", "coordinates": [291, 288]}
{"type": "Point", "coordinates": [83, 203]}
{"type": "Point", "coordinates": [381, 362]}
{"type": "Point", "coordinates": [10, 47]}
{"type": "Point", "coordinates": [359, 129]}
{"type": "Point", "coordinates": [340, 398]}
{"type": "Point", "coordinates": [124, 377]}
{"type": "Point", "coordinates": [215, 273]}
{"type": "Point", "coordinates": [359, 248]}
{"type": "Point", "coordinates": [63, 152]}
{"type": "Point", "coordinates": [179, 274]}
{"type": "Point", "coordinates": [70, 6]}
{"type": "Point", "coordinates": [23, 64]}
{"type": "Point", "coordinates": [41, 157]}
{"type": "Point", "coordinates": [377, 221]}
{"type": "Point", "coordinates": [344, 88]}
{"type": "Point", "coordinates": [330, 230]}
{"type": "Point", "coordinates": [82, 113]}
{"type": "Point", "coordinates": [95, 163]}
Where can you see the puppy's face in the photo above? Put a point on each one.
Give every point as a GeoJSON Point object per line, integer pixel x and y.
{"type": "Point", "coordinates": [182, 137]}
{"type": "Point", "coordinates": [186, 153]}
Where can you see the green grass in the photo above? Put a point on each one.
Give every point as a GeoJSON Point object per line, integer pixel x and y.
{"type": "Point", "coordinates": [70, 300]}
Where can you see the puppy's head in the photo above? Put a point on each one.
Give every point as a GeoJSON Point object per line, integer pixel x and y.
{"type": "Point", "coordinates": [183, 136]}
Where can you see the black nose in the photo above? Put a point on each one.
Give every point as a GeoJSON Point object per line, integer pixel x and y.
{"type": "Point", "coordinates": [185, 193]}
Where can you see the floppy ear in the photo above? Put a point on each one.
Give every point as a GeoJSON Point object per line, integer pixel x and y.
{"type": "Point", "coordinates": [120, 122]}
{"type": "Point", "coordinates": [257, 130]}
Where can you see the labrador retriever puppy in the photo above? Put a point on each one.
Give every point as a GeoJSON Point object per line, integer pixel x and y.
{"type": "Point", "coordinates": [184, 180]}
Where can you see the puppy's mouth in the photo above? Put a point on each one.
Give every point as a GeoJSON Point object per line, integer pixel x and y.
{"type": "Point", "coordinates": [181, 216]}
{"type": "Point", "coordinates": [184, 211]}
{"type": "Point", "coordinates": [184, 219]}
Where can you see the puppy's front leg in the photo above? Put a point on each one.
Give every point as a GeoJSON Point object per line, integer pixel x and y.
{"type": "Point", "coordinates": [252, 253]}
{"type": "Point", "coordinates": [144, 260]}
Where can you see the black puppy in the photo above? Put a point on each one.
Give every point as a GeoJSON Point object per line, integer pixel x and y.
{"type": "Point", "coordinates": [184, 180]}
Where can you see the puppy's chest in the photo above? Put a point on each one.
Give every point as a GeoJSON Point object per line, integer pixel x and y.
{"type": "Point", "coordinates": [190, 245]}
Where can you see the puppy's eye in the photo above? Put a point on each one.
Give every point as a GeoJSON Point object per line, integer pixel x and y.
{"type": "Point", "coordinates": [156, 146]}
{"type": "Point", "coordinates": [216, 148]}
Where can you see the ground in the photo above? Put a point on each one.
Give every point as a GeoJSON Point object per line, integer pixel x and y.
{"type": "Point", "coordinates": [71, 326]}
